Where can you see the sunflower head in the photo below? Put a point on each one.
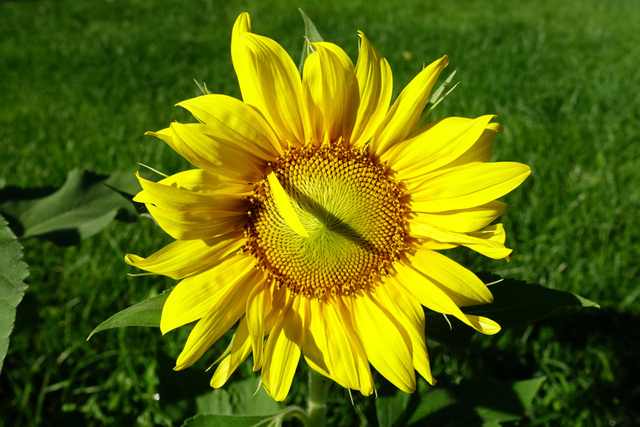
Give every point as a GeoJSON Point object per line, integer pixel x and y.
{"type": "Point", "coordinates": [315, 213]}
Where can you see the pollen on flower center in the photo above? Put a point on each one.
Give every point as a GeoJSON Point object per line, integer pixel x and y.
{"type": "Point", "coordinates": [351, 209]}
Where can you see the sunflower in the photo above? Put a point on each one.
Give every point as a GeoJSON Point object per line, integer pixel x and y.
{"type": "Point", "coordinates": [314, 216]}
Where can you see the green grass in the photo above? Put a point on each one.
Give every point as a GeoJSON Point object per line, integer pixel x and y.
{"type": "Point", "coordinates": [82, 81]}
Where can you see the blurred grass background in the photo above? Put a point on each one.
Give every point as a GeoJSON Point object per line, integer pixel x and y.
{"type": "Point", "coordinates": [80, 83]}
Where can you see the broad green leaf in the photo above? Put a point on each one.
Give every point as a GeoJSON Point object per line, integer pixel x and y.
{"type": "Point", "coordinates": [473, 403]}
{"type": "Point", "coordinates": [311, 34]}
{"type": "Point", "coordinates": [515, 303]}
{"type": "Point", "coordinates": [13, 271]}
{"type": "Point", "coordinates": [519, 303]}
{"type": "Point", "coordinates": [84, 205]}
{"type": "Point", "coordinates": [390, 408]}
{"type": "Point", "coordinates": [125, 183]}
{"type": "Point", "coordinates": [216, 402]}
{"type": "Point", "coordinates": [244, 397]}
{"type": "Point", "coordinates": [144, 313]}
{"type": "Point", "coordinates": [207, 420]}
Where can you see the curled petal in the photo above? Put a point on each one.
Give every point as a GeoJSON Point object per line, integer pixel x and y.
{"type": "Point", "coordinates": [189, 215]}
{"type": "Point", "coordinates": [462, 220]}
{"type": "Point", "coordinates": [445, 291]}
{"type": "Point", "coordinates": [184, 258]}
{"type": "Point", "coordinates": [489, 241]}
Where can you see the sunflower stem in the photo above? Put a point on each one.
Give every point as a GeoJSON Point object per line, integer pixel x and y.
{"type": "Point", "coordinates": [317, 407]}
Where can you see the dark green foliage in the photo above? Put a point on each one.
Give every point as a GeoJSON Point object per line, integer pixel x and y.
{"type": "Point", "coordinates": [144, 313]}
{"type": "Point", "coordinates": [516, 303]}
{"type": "Point", "coordinates": [83, 206]}
{"type": "Point", "coordinates": [12, 285]}
{"type": "Point", "coordinates": [472, 402]}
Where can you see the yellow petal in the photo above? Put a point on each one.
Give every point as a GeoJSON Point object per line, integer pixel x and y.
{"type": "Point", "coordinates": [401, 119]}
{"type": "Point", "coordinates": [374, 83]}
{"type": "Point", "coordinates": [462, 286]}
{"type": "Point", "coordinates": [198, 144]}
{"type": "Point", "coordinates": [314, 347]}
{"type": "Point", "coordinates": [269, 80]}
{"type": "Point", "coordinates": [465, 186]}
{"type": "Point", "coordinates": [164, 134]}
{"type": "Point", "coordinates": [462, 220]}
{"type": "Point", "coordinates": [283, 203]}
{"type": "Point", "coordinates": [436, 246]}
{"type": "Point", "coordinates": [346, 356]}
{"type": "Point", "coordinates": [385, 342]}
{"type": "Point", "coordinates": [410, 315]}
{"type": "Point", "coordinates": [489, 242]}
{"type": "Point", "coordinates": [326, 82]}
{"type": "Point", "coordinates": [206, 182]}
{"type": "Point", "coordinates": [440, 144]}
{"type": "Point", "coordinates": [182, 225]}
{"type": "Point", "coordinates": [482, 150]}
{"type": "Point", "coordinates": [236, 122]}
{"type": "Point", "coordinates": [431, 295]}
{"type": "Point", "coordinates": [332, 347]}
{"type": "Point", "coordinates": [195, 296]}
{"type": "Point", "coordinates": [174, 198]}
{"type": "Point", "coordinates": [282, 353]}
{"type": "Point", "coordinates": [188, 215]}
{"type": "Point", "coordinates": [258, 304]}
{"type": "Point", "coordinates": [222, 315]}
{"type": "Point", "coordinates": [240, 349]}
{"type": "Point", "coordinates": [184, 258]}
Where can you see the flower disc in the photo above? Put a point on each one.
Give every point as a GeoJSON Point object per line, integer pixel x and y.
{"type": "Point", "coordinates": [351, 210]}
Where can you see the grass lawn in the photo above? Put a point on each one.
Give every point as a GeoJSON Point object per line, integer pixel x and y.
{"type": "Point", "coordinates": [82, 81]}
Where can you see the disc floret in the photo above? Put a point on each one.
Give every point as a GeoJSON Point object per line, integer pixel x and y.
{"type": "Point", "coordinates": [350, 207]}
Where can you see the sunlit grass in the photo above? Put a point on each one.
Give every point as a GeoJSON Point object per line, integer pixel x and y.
{"type": "Point", "coordinates": [82, 81]}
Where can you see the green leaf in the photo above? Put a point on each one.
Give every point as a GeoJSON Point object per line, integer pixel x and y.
{"type": "Point", "coordinates": [473, 403]}
{"type": "Point", "coordinates": [125, 183]}
{"type": "Point", "coordinates": [515, 303]}
{"type": "Point", "coordinates": [311, 34]}
{"type": "Point", "coordinates": [144, 313]}
{"type": "Point", "coordinates": [12, 286]}
{"type": "Point", "coordinates": [84, 205]}
{"type": "Point", "coordinates": [244, 397]}
{"type": "Point", "coordinates": [519, 303]}
{"type": "Point", "coordinates": [390, 408]}
{"type": "Point", "coordinates": [207, 420]}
